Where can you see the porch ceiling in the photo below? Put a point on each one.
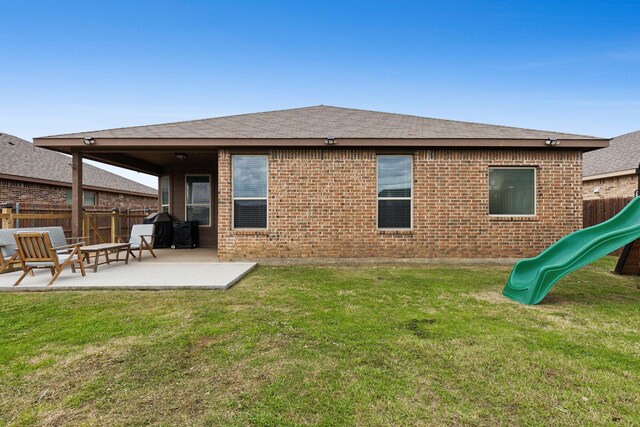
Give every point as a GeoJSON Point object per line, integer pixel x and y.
{"type": "Point", "coordinates": [150, 162]}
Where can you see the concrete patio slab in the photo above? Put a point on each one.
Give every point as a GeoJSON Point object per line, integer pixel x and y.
{"type": "Point", "coordinates": [136, 276]}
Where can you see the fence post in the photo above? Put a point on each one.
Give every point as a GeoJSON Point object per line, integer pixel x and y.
{"type": "Point", "coordinates": [114, 224]}
{"type": "Point", "coordinates": [86, 228]}
{"type": "Point", "coordinates": [7, 222]}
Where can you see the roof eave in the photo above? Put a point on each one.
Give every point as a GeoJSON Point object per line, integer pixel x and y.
{"type": "Point", "coordinates": [613, 174]}
{"type": "Point", "coordinates": [128, 144]}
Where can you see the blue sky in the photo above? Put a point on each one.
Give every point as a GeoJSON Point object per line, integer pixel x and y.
{"type": "Point", "coordinates": [569, 66]}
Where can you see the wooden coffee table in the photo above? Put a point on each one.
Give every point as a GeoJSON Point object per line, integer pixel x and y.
{"type": "Point", "coordinates": [105, 248]}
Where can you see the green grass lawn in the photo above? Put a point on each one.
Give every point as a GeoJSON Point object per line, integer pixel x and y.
{"type": "Point", "coordinates": [390, 345]}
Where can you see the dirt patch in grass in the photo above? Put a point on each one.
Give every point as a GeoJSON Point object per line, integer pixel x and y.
{"type": "Point", "coordinates": [420, 327]}
{"type": "Point", "coordinates": [491, 296]}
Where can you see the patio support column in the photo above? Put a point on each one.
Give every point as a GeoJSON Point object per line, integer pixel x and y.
{"type": "Point", "coordinates": [76, 194]}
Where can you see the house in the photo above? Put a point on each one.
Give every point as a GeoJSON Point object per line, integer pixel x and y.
{"type": "Point", "coordinates": [329, 182]}
{"type": "Point", "coordinates": [35, 175]}
{"type": "Point", "coordinates": [611, 172]}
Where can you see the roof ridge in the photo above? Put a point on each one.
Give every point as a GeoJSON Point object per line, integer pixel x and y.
{"type": "Point", "coordinates": [626, 134]}
{"type": "Point", "coordinates": [12, 136]}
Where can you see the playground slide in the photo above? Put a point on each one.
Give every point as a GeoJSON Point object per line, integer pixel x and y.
{"type": "Point", "coordinates": [532, 278]}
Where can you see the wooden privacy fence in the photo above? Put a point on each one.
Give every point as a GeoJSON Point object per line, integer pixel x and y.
{"type": "Point", "coordinates": [599, 210]}
{"type": "Point", "coordinates": [104, 225]}
{"type": "Point", "coordinates": [98, 225]}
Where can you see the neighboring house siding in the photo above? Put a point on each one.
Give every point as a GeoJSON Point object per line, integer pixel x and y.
{"type": "Point", "coordinates": [12, 191]}
{"type": "Point", "coordinates": [119, 200]}
{"type": "Point", "coordinates": [617, 186]}
{"type": "Point", "coordinates": [322, 203]}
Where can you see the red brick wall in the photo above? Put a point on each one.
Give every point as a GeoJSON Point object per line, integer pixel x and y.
{"type": "Point", "coordinates": [322, 203]}
{"type": "Point", "coordinates": [29, 192]}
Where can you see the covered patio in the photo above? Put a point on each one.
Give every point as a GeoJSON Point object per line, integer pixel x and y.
{"type": "Point", "coordinates": [172, 269]}
{"type": "Point", "coordinates": [187, 176]}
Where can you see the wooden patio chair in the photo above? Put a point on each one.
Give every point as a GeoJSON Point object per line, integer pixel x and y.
{"type": "Point", "coordinates": [6, 261]}
{"type": "Point", "coordinates": [142, 238]}
{"type": "Point", "coordinates": [8, 250]}
{"type": "Point", "coordinates": [36, 251]}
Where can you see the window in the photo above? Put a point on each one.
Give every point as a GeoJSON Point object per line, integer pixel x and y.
{"type": "Point", "coordinates": [198, 198]}
{"type": "Point", "coordinates": [89, 198]}
{"type": "Point", "coordinates": [394, 191]}
{"type": "Point", "coordinates": [249, 191]}
{"type": "Point", "coordinates": [164, 194]}
{"type": "Point", "coordinates": [512, 191]}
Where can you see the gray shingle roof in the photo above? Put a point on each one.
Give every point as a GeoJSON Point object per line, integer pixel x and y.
{"type": "Point", "coordinates": [21, 158]}
{"type": "Point", "coordinates": [622, 154]}
{"type": "Point", "coordinates": [322, 121]}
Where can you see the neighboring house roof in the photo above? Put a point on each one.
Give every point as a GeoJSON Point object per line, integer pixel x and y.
{"type": "Point", "coordinates": [324, 121]}
{"type": "Point", "coordinates": [21, 158]}
{"type": "Point", "coordinates": [623, 154]}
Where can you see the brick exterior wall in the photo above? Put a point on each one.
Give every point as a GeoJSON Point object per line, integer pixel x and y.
{"type": "Point", "coordinates": [30, 192]}
{"type": "Point", "coordinates": [617, 186]}
{"type": "Point", "coordinates": [322, 204]}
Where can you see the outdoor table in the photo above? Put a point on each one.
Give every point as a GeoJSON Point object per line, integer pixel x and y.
{"type": "Point", "coordinates": [105, 248]}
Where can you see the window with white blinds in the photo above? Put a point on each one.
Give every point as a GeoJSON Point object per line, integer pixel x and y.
{"type": "Point", "coordinates": [249, 191]}
{"type": "Point", "coordinates": [394, 191]}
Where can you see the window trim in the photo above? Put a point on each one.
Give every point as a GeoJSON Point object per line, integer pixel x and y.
{"type": "Point", "coordinates": [234, 198]}
{"type": "Point", "coordinates": [410, 228]}
{"type": "Point", "coordinates": [169, 193]}
{"type": "Point", "coordinates": [535, 192]}
{"type": "Point", "coordinates": [186, 205]}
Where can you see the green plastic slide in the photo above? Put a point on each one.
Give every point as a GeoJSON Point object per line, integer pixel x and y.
{"type": "Point", "coordinates": [532, 278]}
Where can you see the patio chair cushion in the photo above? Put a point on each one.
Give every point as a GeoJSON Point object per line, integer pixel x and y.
{"type": "Point", "coordinates": [7, 242]}
{"type": "Point", "coordinates": [140, 230]}
{"type": "Point", "coordinates": [61, 258]}
{"type": "Point", "coordinates": [8, 245]}
{"type": "Point", "coordinates": [56, 234]}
